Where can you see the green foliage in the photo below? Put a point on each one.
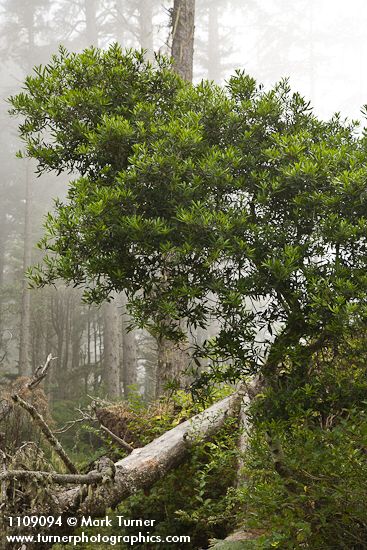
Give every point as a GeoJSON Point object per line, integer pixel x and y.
{"type": "Point", "coordinates": [236, 192]}
{"type": "Point", "coordinates": [191, 500]}
{"type": "Point", "coordinates": [326, 509]}
{"type": "Point", "coordinates": [335, 386]}
{"type": "Point", "coordinates": [322, 429]}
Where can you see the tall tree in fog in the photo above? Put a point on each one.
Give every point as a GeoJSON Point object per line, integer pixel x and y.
{"type": "Point", "coordinates": [173, 358]}
{"type": "Point", "coordinates": [24, 30]}
{"type": "Point", "coordinates": [111, 322]}
{"type": "Point", "coordinates": [286, 28]}
{"type": "Point", "coordinates": [91, 28]}
{"type": "Point", "coordinates": [11, 226]}
{"type": "Point", "coordinates": [214, 45]}
{"type": "Point", "coordinates": [183, 30]}
{"type": "Point", "coordinates": [132, 23]}
{"type": "Point", "coordinates": [214, 68]}
{"type": "Point", "coordinates": [111, 350]}
{"type": "Point", "coordinates": [79, 23]}
{"type": "Point", "coordinates": [25, 367]}
{"type": "Point", "coordinates": [129, 351]}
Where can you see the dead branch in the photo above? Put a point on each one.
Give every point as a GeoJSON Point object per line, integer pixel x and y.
{"type": "Point", "coordinates": [54, 442]}
{"type": "Point", "coordinates": [40, 373]}
{"type": "Point", "coordinates": [118, 439]}
{"type": "Point", "coordinates": [105, 471]}
{"type": "Point", "coordinates": [69, 424]}
{"type": "Point", "coordinates": [61, 479]}
{"type": "Point", "coordinates": [86, 417]}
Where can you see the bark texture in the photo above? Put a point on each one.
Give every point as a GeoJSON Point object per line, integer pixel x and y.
{"type": "Point", "coordinates": [183, 27]}
{"type": "Point", "coordinates": [172, 362]}
{"type": "Point", "coordinates": [111, 350]}
{"type": "Point", "coordinates": [129, 363]}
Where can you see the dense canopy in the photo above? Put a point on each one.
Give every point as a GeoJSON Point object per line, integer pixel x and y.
{"type": "Point", "coordinates": [198, 200]}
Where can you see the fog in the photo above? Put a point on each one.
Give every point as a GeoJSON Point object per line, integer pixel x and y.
{"type": "Point", "coordinates": [320, 45]}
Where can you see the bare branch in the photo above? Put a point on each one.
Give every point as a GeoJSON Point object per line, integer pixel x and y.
{"type": "Point", "coordinates": [85, 417]}
{"type": "Point", "coordinates": [40, 373]}
{"type": "Point", "coordinates": [61, 479]}
{"type": "Point", "coordinates": [54, 442]}
{"type": "Point", "coordinates": [120, 441]}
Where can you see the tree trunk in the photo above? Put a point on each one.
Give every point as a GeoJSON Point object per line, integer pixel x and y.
{"type": "Point", "coordinates": [311, 43]}
{"type": "Point", "coordinates": [173, 359]}
{"type": "Point", "coordinates": [183, 26]}
{"type": "Point", "coordinates": [129, 360]}
{"type": "Point", "coordinates": [25, 367]}
{"type": "Point", "coordinates": [58, 322]}
{"type": "Point", "coordinates": [111, 350]}
{"type": "Point", "coordinates": [248, 392]}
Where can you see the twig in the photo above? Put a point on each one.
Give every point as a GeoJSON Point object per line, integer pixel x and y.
{"type": "Point", "coordinates": [69, 425]}
{"type": "Point", "coordinates": [120, 441]}
{"type": "Point", "coordinates": [54, 442]}
{"type": "Point", "coordinates": [86, 417]}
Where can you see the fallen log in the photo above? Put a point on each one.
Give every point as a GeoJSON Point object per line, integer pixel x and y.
{"type": "Point", "coordinates": [145, 466]}
{"type": "Point", "coordinates": [110, 483]}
